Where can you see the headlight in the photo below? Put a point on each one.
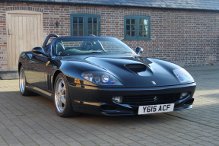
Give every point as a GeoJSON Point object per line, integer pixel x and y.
{"type": "Point", "coordinates": [101, 78]}
{"type": "Point", "coordinates": [182, 75]}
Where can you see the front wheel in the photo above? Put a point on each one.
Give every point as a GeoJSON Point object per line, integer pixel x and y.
{"type": "Point", "coordinates": [62, 100]}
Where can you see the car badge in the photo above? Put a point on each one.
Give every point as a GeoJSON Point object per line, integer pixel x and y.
{"type": "Point", "coordinates": [155, 98]}
{"type": "Point", "coordinates": [154, 83]}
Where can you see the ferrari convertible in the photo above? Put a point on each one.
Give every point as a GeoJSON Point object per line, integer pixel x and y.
{"type": "Point", "coordinates": [102, 75]}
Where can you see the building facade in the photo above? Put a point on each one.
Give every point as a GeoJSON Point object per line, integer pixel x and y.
{"type": "Point", "coordinates": [186, 36]}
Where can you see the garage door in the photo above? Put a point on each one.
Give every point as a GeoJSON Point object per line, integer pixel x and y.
{"type": "Point", "coordinates": [24, 31]}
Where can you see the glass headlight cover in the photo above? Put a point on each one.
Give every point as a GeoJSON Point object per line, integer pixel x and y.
{"type": "Point", "coordinates": [100, 78]}
{"type": "Point", "coordinates": [182, 75]}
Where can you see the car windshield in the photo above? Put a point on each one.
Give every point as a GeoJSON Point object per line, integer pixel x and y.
{"type": "Point", "coordinates": [96, 45]}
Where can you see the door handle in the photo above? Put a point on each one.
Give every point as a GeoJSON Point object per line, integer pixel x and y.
{"type": "Point", "coordinates": [9, 32]}
{"type": "Point", "coordinates": [31, 62]}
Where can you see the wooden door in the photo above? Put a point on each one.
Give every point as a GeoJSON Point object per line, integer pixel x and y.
{"type": "Point", "coordinates": [24, 31]}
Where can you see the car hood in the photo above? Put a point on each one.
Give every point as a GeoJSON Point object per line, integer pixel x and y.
{"type": "Point", "coordinates": [135, 71]}
{"type": "Point", "coordinates": [131, 71]}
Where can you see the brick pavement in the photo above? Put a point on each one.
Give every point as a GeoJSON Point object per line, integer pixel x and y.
{"type": "Point", "coordinates": [32, 121]}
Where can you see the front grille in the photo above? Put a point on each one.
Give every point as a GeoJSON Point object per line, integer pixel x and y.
{"type": "Point", "coordinates": [151, 99]}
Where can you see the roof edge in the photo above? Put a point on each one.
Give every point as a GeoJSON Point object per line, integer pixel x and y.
{"type": "Point", "coordinates": [109, 4]}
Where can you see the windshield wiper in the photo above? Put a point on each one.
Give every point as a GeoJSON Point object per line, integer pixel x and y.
{"type": "Point", "coordinates": [93, 52]}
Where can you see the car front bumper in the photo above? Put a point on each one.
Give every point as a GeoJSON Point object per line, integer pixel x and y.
{"type": "Point", "coordinates": [99, 100]}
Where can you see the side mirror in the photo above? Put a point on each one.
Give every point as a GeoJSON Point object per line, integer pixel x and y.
{"type": "Point", "coordinates": [139, 50]}
{"type": "Point", "coordinates": [39, 50]}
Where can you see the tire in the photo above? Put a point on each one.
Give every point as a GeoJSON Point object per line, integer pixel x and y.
{"type": "Point", "coordinates": [62, 101]}
{"type": "Point", "coordinates": [23, 84]}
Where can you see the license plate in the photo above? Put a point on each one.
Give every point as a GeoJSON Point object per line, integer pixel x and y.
{"type": "Point", "coordinates": [159, 108]}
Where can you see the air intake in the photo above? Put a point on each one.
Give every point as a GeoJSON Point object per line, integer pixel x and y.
{"type": "Point", "coordinates": [136, 67]}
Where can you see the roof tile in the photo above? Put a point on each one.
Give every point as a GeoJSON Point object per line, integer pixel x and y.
{"type": "Point", "coordinates": [175, 4]}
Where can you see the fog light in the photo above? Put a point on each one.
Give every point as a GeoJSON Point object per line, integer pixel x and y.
{"type": "Point", "coordinates": [184, 94]}
{"type": "Point", "coordinates": [117, 99]}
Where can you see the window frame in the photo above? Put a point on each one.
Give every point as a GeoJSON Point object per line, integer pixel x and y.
{"type": "Point", "coordinates": [85, 23]}
{"type": "Point", "coordinates": [137, 25]}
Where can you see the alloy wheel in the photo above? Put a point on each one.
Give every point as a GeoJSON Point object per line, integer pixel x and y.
{"type": "Point", "coordinates": [22, 81]}
{"type": "Point", "coordinates": [60, 95]}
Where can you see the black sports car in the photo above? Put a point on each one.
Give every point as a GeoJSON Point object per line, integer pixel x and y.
{"type": "Point", "coordinates": [102, 75]}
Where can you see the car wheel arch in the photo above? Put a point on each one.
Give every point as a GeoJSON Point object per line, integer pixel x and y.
{"type": "Point", "coordinates": [57, 72]}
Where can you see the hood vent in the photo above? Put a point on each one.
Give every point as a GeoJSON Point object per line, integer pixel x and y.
{"type": "Point", "coordinates": [136, 67]}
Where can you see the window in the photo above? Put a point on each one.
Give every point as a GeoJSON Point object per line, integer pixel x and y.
{"type": "Point", "coordinates": [85, 24]}
{"type": "Point", "coordinates": [137, 27]}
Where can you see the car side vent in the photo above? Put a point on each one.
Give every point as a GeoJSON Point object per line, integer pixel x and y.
{"type": "Point", "coordinates": [136, 67]}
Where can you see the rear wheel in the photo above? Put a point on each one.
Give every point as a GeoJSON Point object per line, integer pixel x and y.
{"type": "Point", "coordinates": [62, 100]}
{"type": "Point", "coordinates": [23, 84]}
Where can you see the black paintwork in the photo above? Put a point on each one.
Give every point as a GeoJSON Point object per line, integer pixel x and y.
{"type": "Point", "coordinates": [42, 68]}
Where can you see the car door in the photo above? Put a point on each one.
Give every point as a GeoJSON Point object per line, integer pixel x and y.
{"type": "Point", "coordinates": [39, 68]}
{"type": "Point", "coordinates": [36, 69]}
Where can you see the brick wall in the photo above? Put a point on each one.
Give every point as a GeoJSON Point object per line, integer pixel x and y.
{"type": "Point", "coordinates": [181, 36]}
{"type": "Point", "coordinates": [3, 40]}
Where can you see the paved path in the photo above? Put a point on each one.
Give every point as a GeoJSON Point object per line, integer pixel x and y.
{"type": "Point", "coordinates": [32, 121]}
